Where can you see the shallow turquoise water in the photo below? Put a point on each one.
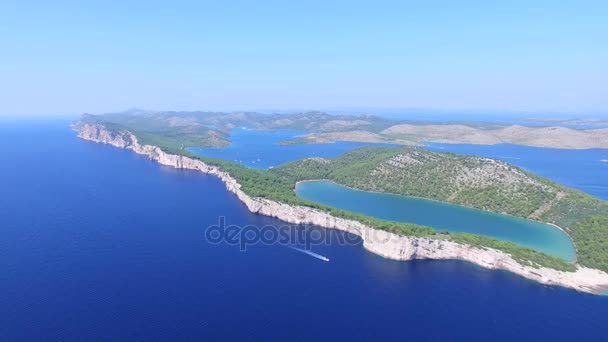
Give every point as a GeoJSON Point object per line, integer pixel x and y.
{"type": "Point", "coordinates": [541, 237]}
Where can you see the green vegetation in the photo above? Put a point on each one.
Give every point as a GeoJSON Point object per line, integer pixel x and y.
{"type": "Point", "coordinates": [463, 180]}
{"type": "Point", "coordinates": [416, 172]}
{"type": "Point", "coordinates": [264, 184]}
{"type": "Point", "coordinates": [469, 181]}
{"type": "Point", "coordinates": [591, 238]}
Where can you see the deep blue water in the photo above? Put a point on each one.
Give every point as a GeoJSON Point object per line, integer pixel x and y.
{"type": "Point", "coordinates": [438, 215]}
{"type": "Point", "coordinates": [262, 149]}
{"type": "Point", "coordinates": [580, 169]}
{"type": "Point", "coordinates": [102, 244]}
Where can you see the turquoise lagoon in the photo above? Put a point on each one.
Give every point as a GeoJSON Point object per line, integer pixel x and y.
{"type": "Point", "coordinates": [441, 216]}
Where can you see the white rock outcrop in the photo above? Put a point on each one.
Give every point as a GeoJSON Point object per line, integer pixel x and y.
{"type": "Point", "coordinates": [386, 244]}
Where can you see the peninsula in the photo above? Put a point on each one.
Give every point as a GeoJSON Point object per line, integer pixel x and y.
{"type": "Point", "coordinates": [212, 129]}
{"type": "Point", "coordinates": [271, 193]}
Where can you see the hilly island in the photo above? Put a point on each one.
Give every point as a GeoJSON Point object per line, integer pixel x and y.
{"type": "Point", "coordinates": [482, 183]}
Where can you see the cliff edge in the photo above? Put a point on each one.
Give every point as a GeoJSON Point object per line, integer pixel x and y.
{"type": "Point", "coordinates": [386, 244]}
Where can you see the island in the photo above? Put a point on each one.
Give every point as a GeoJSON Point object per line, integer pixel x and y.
{"type": "Point", "coordinates": [481, 183]}
{"type": "Point", "coordinates": [212, 129]}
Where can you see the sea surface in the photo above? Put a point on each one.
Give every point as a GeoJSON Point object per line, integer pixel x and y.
{"type": "Point", "coordinates": [263, 149]}
{"type": "Point", "coordinates": [441, 216]}
{"type": "Point", "coordinates": [99, 243]}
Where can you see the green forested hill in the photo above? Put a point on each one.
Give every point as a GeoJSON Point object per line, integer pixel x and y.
{"type": "Point", "coordinates": [475, 182]}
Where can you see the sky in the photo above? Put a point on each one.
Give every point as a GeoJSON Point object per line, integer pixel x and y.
{"type": "Point", "coordinates": [59, 57]}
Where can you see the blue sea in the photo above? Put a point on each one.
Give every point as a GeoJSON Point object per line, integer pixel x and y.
{"type": "Point", "coordinates": [263, 149]}
{"type": "Point", "coordinates": [102, 244]}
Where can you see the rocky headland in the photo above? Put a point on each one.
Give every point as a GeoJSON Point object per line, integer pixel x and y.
{"type": "Point", "coordinates": [386, 244]}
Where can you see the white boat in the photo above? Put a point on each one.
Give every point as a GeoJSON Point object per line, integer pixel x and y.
{"type": "Point", "coordinates": [312, 254]}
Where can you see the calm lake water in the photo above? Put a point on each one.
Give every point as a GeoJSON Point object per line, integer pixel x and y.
{"type": "Point", "coordinates": [99, 243]}
{"type": "Point", "coordinates": [262, 149]}
{"type": "Point", "coordinates": [440, 216]}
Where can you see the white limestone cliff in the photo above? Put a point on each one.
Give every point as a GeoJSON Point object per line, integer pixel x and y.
{"type": "Point", "coordinates": [386, 244]}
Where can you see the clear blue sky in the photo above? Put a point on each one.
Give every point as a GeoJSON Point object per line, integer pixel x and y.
{"type": "Point", "coordinates": [65, 57]}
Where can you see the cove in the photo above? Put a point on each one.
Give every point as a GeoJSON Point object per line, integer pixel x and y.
{"type": "Point", "coordinates": [439, 215]}
{"type": "Point", "coordinates": [263, 149]}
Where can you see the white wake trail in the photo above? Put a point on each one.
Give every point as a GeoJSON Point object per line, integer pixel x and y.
{"type": "Point", "coordinates": [312, 254]}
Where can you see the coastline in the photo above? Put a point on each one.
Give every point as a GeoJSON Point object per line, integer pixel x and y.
{"type": "Point", "coordinates": [380, 242]}
{"type": "Point", "coordinates": [432, 200]}
{"type": "Point", "coordinates": [567, 234]}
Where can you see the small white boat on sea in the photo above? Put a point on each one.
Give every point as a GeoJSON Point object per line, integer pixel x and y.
{"type": "Point", "coordinates": [312, 254]}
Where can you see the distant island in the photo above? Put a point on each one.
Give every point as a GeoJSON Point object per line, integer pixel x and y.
{"type": "Point", "coordinates": [570, 122]}
{"type": "Point", "coordinates": [211, 129]}
{"type": "Point", "coordinates": [476, 182]}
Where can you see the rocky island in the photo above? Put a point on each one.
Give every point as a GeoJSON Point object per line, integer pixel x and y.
{"type": "Point", "coordinates": [271, 193]}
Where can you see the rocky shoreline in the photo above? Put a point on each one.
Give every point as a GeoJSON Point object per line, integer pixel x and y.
{"type": "Point", "coordinates": [383, 243]}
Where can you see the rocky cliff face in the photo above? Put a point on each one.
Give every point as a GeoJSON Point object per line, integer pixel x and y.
{"type": "Point", "coordinates": [383, 243]}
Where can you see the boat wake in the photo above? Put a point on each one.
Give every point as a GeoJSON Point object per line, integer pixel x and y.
{"type": "Point", "coordinates": [312, 254]}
